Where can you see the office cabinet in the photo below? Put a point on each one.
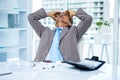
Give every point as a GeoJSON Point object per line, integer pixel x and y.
{"type": "Point", "coordinates": [15, 31]}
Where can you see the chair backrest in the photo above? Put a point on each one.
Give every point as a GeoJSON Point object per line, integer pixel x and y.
{"type": "Point", "coordinates": [80, 48]}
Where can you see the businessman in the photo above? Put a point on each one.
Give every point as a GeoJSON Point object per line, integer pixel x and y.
{"type": "Point", "coordinates": [59, 44]}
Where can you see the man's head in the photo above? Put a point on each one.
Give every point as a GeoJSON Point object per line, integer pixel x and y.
{"type": "Point", "coordinates": [63, 19]}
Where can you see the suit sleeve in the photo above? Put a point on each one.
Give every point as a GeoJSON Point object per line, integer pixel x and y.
{"type": "Point", "coordinates": [84, 24]}
{"type": "Point", "coordinates": [34, 18]}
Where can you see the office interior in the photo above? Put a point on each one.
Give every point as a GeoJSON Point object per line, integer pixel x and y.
{"type": "Point", "coordinates": [19, 42]}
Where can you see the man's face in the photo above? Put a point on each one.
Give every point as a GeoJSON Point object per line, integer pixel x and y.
{"type": "Point", "coordinates": [64, 18]}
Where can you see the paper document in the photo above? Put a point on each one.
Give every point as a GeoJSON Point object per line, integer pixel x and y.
{"type": "Point", "coordinates": [4, 70]}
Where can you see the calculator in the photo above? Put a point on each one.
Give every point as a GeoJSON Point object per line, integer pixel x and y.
{"type": "Point", "coordinates": [87, 64]}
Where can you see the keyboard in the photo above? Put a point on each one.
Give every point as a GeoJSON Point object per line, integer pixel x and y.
{"type": "Point", "coordinates": [87, 64]}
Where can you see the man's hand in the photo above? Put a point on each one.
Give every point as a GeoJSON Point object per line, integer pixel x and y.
{"type": "Point", "coordinates": [72, 13]}
{"type": "Point", "coordinates": [53, 14]}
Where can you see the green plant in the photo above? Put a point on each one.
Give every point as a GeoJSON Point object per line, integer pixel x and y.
{"type": "Point", "coordinates": [102, 23]}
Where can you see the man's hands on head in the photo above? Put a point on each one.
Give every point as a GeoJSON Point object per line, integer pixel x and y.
{"type": "Point", "coordinates": [72, 13]}
{"type": "Point", "coordinates": [53, 14]}
{"type": "Point", "coordinates": [63, 19]}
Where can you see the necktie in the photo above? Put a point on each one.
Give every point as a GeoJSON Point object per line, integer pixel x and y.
{"type": "Point", "coordinates": [57, 35]}
{"type": "Point", "coordinates": [54, 53]}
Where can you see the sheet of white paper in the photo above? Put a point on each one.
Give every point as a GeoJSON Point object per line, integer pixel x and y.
{"type": "Point", "coordinates": [4, 70]}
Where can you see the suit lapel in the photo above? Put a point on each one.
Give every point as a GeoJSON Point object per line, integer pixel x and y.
{"type": "Point", "coordinates": [63, 33]}
{"type": "Point", "coordinates": [51, 37]}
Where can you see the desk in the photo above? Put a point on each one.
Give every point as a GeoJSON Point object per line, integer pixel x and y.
{"type": "Point", "coordinates": [62, 71]}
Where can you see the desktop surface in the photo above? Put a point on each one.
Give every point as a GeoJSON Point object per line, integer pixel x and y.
{"type": "Point", "coordinates": [53, 71]}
